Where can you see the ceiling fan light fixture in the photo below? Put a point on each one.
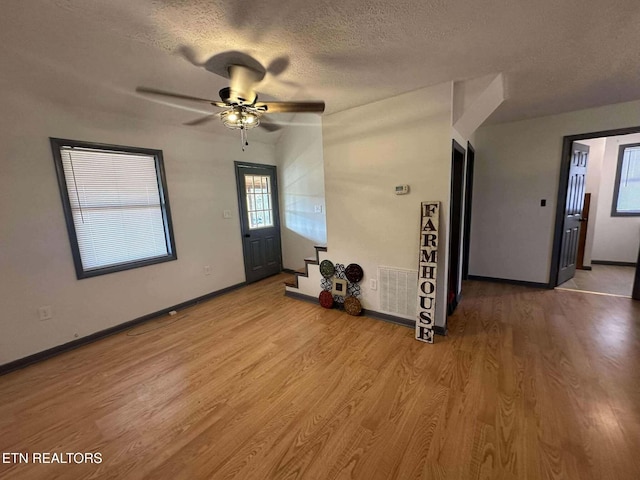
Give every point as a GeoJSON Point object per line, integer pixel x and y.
{"type": "Point", "coordinates": [240, 118]}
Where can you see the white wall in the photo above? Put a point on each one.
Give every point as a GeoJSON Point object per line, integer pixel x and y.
{"type": "Point", "coordinates": [517, 165]}
{"type": "Point", "coordinates": [35, 257]}
{"type": "Point", "coordinates": [370, 149]}
{"type": "Point", "coordinates": [616, 238]}
{"type": "Point", "coordinates": [592, 186]}
{"type": "Point", "coordinates": [301, 188]}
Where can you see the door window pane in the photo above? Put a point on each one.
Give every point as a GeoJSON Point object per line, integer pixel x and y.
{"type": "Point", "coordinates": [258, 191]}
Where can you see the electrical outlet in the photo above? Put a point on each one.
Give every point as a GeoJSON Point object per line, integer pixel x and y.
{"type": "Point", "coordinates": [317, 209]}
{"type": "Point", "coordinates": [45, 312]}
{"type": "Point", "coordinates": [373, 284]}
{"type": "Point", "coordinates": [207, 270]}
{"type": "Point", "coordinates": [226, 214]}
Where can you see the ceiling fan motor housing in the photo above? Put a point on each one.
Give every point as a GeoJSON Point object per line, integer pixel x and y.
{"type": "Point", "coordinates": [235, 98]}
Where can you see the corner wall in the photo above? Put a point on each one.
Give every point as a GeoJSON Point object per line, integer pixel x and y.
{"type": "Point", "coordinates": [517, 165]}
{"type": "Point", "coordinates": [301, 186]}
{"type": "Point", "coordinates": [35, 256]}
{"type": "Point", "coordinates": [370, 149]}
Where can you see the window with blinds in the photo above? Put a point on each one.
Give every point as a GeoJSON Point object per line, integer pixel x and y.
{"type": "Point", "coordinates": [626, 192]}
{"type": "Point", "coordinates": [116, 206]}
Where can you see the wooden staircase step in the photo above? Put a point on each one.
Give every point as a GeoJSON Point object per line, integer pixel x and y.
{"type": "Point", "coordinates": [304, 272]}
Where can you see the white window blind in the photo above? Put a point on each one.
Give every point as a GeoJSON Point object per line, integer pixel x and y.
{"type": "Point", "coordinates": [117, 206]}
{"type": "Point", "coordinates": [628, 200]}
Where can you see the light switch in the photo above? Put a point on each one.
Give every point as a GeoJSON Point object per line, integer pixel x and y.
{"type": "Point", "coordinates": [226, 214]}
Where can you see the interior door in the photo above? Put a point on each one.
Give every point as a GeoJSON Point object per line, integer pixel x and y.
{"type": "Point", "coordinates": [573, 212]}
{"type": "Point", "coordinates": [259, 220]}
{"type": "Point", "coordinates": [582, 242]}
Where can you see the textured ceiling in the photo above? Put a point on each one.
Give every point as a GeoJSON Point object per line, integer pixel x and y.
{"type": "Point", "coordinates": [556, 55]}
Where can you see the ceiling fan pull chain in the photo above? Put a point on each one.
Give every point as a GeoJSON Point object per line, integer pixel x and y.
{"type": "Point", "coordinates": [243, 137]}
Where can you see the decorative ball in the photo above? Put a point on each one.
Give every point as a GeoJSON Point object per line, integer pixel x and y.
{"type": "Point", "coordinates": [354, 272]}
{"type": "Point", "coordinates": [327, 269]}
{"type": "Point", "coordinates": [326, 299]}
{"type": "Point", "coordinates": [352, 306]}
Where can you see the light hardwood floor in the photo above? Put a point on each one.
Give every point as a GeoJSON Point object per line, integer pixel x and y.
{"type": "Point", "coordinates": [529, 384]}
{"type": "Point", "coordinates": [603, 279]}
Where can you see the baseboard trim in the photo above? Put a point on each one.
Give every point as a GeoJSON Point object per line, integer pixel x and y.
{"type": "Point", "coordinates": [585, 267]}
{"type": "Point", "coordinates": [51, 352]}
{"type": "Point", "coordinates": [509, 281]}
{"type": "Point", "coordinates": [301, 296]}
{"type": "Point", "coordinates": [615, 264]}
{"type": "Point", "coordinates": [404, 322]}
{"type": "Point", "coordinates": [440, 330]}
{"type": "Point", "coordinates": [385, 317]}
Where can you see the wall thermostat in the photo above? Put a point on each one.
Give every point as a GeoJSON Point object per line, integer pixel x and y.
{"type": "Point", "coordinates": [402, 189]}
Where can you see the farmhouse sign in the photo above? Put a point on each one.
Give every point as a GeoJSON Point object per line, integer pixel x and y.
{"type": "Point", "coordinates": [427, 271]}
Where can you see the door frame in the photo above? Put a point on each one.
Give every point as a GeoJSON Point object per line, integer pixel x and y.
{"type": "Point", "coordinates": [563, 184]}
{"type": "Point", "coordinates": [468, 199]}
{"type": "Point", "coordinates": [458, 153]}
{"type": "Point", "coordinates": [276, 211]}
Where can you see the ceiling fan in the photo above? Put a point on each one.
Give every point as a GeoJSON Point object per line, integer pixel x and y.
{"type": "Point", "coordinates": [241, 109]}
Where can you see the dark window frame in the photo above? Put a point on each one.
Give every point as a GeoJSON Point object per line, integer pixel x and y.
{"type": "Point", "coordinates": [56, 144]}
{"type": "Point", "coordinates": [616, 185]}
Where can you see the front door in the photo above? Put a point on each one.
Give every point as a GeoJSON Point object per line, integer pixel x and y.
{"type": "Point", "coordinates": [259, 219]}
{"type": "Point", "coordinates": [573, 212]}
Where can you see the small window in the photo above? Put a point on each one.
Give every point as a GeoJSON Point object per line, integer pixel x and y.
{"type": "Point", "coordinates": [259, 208]}
{"type": "Point", "coordinates": [115, 204]}
{"type": "Point", "coordinates": [626, 191]}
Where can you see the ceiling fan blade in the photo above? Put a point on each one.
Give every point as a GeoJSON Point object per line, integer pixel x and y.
{"type": "Point", "coordinates": [201, 120]}
{"type": "Point", "coordinates": [154, 91]}
{"type": "Point", "coordinates": [292, 107]}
